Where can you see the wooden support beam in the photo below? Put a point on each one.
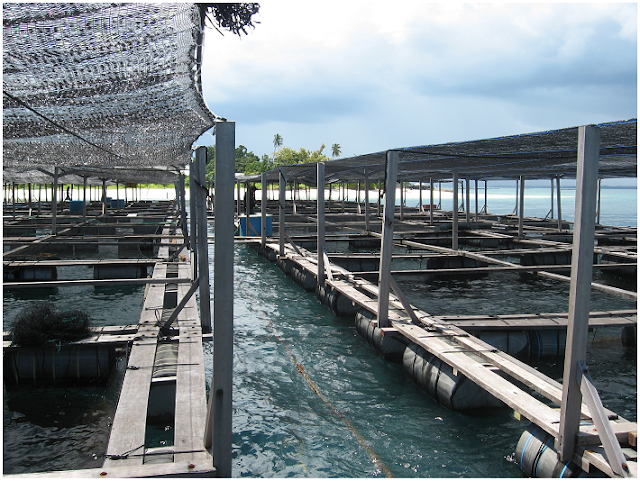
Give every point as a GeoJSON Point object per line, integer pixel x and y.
{"type": "Point", "coordinates": [387, 238]}
{"type": "Point", "coordinates": [580, 288]}
{"type": "Point", "coordinates": [281, 207]}
{"type": "Point", "coordinates": [320, 169]}
{"type": "Point", "coordinates": [200, 202]}
{"type": "Point", "coordinates": [454, 224]}
{"type": "Point", "coordinates": [218, 432]}
{"type": "Point", "coordinates": [263, 210]}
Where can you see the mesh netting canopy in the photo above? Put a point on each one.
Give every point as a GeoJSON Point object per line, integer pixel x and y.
{"type": "Point", "coordinates": [104, 85]}
{"type": "Point", "coordinates": [538, 155]}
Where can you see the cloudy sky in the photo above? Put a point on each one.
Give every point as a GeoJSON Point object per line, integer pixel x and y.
{"type": "Point", "coordinates": [373, 75]}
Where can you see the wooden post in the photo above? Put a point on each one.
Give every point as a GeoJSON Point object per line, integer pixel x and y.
{"type": "Point", "coordinates": [13, 193]}
{"type": "Point", "coordinates": [580, 288]}
{"type": "Point", "coordinates": [521, 213]}
{"type": "Point", "coordinates": [551, 210]}
{"type": "Point", "coordinates": [263, 209]}
{"type": "Point", "coordinates": [200, 165]}
{"type": "Point", "coordinates": [475, 183]}
{"type": "Point", "coordinates": [84, 198]}
{"type": "Point", "coordinates": [54, 200]}
{"type": "Point", "coordinates": [183, 207]}
{"type": "Point", "coordinates": [468, 200]}
{"type": "Point", "coordinates": [218, 432]}
{"type": "Point", "coordinates": [439, 194]}
{"type": "Point", "coordinates": [598, 207]}
{"type": "Point", "coordinates": [420, 206]}
{"type": "Point", "coordinates": [401, 200]}
{"type": "Point", "coordinates": [238, 201]}
{"type": "Point", "coordinates": [104, 196]}
{"type": "Point", "coordinates": [294, 190]}
{"type": "Point", "coordinates": [321, 221]}
{"type": "Point", "coordinates": [193, 220]}
{"type": "Point", "coordinates": [515, 209]}
{"type": "Point", "coordinates": [486, 204]}
{"type": "Point", "coordinates": [281, 205]}
{"type": "Point", "coordinates": [559, 198]}
{"type": "Point", "coordinates": [454, 223]}
{"type": "Point", "coordinates": [40, 198]}
{"type": "Point", "coordinates": [431, 200]}
{"type": "Point", "coordinates": [367, 208]}
{"type": "Point", "coordinates": [384, 275]}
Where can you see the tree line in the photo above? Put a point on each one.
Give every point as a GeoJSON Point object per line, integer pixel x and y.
{"type": "Point", "coordinates": [247, 162]}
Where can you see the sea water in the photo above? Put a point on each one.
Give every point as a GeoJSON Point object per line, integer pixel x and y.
{"type": "Point", "coordinates": [311, 398]}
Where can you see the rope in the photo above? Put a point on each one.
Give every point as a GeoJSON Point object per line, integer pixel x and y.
{"type": "Point", "coordinates": [372, 454]}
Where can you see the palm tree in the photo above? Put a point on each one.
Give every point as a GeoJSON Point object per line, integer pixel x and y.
{"type": "Point", "coordinates": [277, 142]}
{"type": "Point", "coordinates": [335, 150]}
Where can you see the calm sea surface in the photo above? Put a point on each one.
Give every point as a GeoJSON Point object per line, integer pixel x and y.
{"type": "Point", "coordinates": [353, 414]}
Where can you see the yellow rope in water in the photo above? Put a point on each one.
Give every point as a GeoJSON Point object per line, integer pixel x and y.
{"type": "Point", "coordinates": [372, 454]}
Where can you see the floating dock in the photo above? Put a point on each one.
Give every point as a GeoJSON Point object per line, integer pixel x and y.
{"type": "Point", "coordinates": [586, 436]}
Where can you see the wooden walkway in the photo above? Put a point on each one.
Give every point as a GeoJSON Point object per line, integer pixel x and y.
{"type": "Point", "coordinates": [495, 371]}
{"type": "Point", "coordinates": [152, 381]}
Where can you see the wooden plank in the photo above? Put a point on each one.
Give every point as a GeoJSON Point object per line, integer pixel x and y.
{"type": "Point", "coordinates": [176, 469]}
{"type": "Point", "coordinates": [129, 421]}
{"type": "Point", "coordinates": [191, 403]}
{"type": "Point", "coordinates": [93, 282]}
{"type": "Point", "coordinates": [534, 410]}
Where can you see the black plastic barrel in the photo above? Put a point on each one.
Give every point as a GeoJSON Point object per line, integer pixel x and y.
{"type": "Point", "coordinates": [537, 457]}
{"type": "Point", "coordinates": [390, 348]}
{"type": "Point", "coordinates": [437, 379]}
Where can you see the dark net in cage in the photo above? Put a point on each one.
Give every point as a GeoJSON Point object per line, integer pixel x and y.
{"type": "Point", "coordinates": [40, 325]}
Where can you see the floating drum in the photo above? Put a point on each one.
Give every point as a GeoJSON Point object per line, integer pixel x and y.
{"type": "Point", "coordinates": [304, 278]}
{"type": "Point", "coordinates": [537, 457]}
{"type": "Point", "coordinates": [438, 380]}
{"type": "Point", "coordinates": [285, 265]}
{"type": "Point", "coordinates": [117, 271]}
{"type": "Point", "coordinates": [546, 343]}
{"type": "Point", "coordinates": [514, 343]}
{"type": "Point", "coordinates": [30, 273]}
{"type": "Point", "coordinates": [390, 348]}
{"type": "Point", "coordinates": [338, 304]}
{"type": "Point", "coordinates": [68, 362]}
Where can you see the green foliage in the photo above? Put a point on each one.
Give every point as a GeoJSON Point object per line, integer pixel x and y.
{"type": "Point", "coordinates": [288, 156]}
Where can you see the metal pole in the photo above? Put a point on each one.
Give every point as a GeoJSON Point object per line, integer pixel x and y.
{"type": "Point", "coordinates": [13, 190]}
{"type": "Point", "coordinates": [439, 194]}
{"type": "Point", "coordinates": [384, 276]}
{"type": "Point", "coordinates": [321, 221]}
{"type": "Point", "coordinates": [521, 215]}
{"type": "Point", "coordinates": [281, 204]}
{"type": "Point", "coordinates": [263, 210]}
{"type": "Point", "coordinates": [420, 206]}
{"type": "Point", "coordinates": [454, 223]}
{"type": "Point", "coordinates": [218, 432]}
{"type": "Point", "coordinates": [202, 243]}
{"type": "Point", "coordinates": [580, 288]}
